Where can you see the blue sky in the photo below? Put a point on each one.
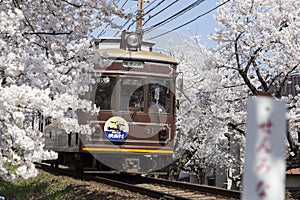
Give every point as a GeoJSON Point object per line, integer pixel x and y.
{"type": "Point", "coordinates": [202, 26]}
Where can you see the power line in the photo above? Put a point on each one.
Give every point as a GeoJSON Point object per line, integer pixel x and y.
{"type": "Point", "coordinates": [178, 27]}
{"type": "Point", "coordinates": [146, 12]}
{"type": "Point", "coordinates": [150, 4]}
{"type": "Point", "coordinates": [153, 7]}
{"type": "Point", "coordinates": [193, 5]}
{"type": "Point", "coordinates": [124, 4]}
{"type": "Point", "coordinates": [168, 6]}
{"type": "Point", "coordinates": [122, 27]}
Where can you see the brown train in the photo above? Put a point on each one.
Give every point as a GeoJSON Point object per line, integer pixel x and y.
{"type": "Point", "coordinates": [135, 128]}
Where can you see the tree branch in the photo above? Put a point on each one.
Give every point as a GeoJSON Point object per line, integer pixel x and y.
{"type": "Point", "coordinates": [236, 51]}
{"type": "Point", "coordinates": [242, 72]}
{"type": "Point", "coordinates": [72, 4]}
{"type": "Point", "coordinates": [233, 86]}
{"type": "Point", "coordinates": [274, 79]}
{"type": "Point", "coordinates": [235, 127]}
{"type": "Point", "coordinates": [227, 67]}
{"type": "Point", "coordinates": [248, 83]}
{"type": "Point", "coordinates": [49, 33]}
{"type": "Point", "coordinates": [260, 78]}
{"type": "Point", "coordinates": [234, 100]}
{"type": "Point", "coordinates": [252, 59]}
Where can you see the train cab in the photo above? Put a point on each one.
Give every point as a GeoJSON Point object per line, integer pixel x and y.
{"type": "Point", "coordinates": [135, 92]}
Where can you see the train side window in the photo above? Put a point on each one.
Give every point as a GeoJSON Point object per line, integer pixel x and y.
{"type": "Point", "coordinates": [159, 95]}
{"type": "Point", "coordinates": [132, 94]}
{"type": "Point", "coordinates": [105, 93]}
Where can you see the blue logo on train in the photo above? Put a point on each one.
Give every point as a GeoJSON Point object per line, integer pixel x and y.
{"type": "Point", "coordinates": [116, 129]}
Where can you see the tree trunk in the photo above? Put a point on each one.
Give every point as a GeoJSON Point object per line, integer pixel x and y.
{"type": "Point", "coordinates": [202, 176]}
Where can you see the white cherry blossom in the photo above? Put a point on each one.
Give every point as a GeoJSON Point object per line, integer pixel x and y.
{"type": "Point", "coordinates": [46, 62]}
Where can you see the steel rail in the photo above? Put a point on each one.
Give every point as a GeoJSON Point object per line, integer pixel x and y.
{"type": "Point", "coordinates": [198, 187]}
{"type": "Point", "coordinates": [114, 183]}
{"type": "Point", "coordinates": [204, 189]}
{"type": "Point", "coordinates": [152, 187]}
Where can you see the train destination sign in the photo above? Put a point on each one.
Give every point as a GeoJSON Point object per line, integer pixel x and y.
{"type": "Point", "coordinates": [133, 64]}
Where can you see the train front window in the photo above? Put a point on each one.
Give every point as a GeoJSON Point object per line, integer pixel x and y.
{"type": "Point", "coordinates": [132, 94]}
{"type": "Point", "coordinates": [159, 95]}
{"type": "Point", "coordinates": [105, 93]}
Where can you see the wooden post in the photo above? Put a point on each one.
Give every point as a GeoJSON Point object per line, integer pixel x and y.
{"type": "Point", "coordinates": [139, 19]}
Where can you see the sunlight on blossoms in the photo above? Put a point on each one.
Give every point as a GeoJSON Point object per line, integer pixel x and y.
{"type": "Point", "coordinates": [46, 64]}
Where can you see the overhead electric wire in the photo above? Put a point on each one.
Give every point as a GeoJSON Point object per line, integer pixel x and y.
{"type": "Point", "coordinates": [154, 7]}
{"type": "Point", "coordinates": [121, 28]}
{"type": "Point", "coordinates": [188, 8]}
{"type": "Point", "coordinates": [146, 13]}
{"type": "Point", "coordinates": [168, 6]}
{"type": "Point", "coordinates": [150, 4]}
{"type": "Point", "coordinates": [124, 4]}
{"type": "Point", "coordinates": [178, 27]}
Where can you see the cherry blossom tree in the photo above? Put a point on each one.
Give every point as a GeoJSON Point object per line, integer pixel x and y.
{"type": "Point", "coordinates": [258, 52]}
{"type": "Point", "coordinates": [201, 125]}
{"type": "Point", "coordinates": [46, 60]}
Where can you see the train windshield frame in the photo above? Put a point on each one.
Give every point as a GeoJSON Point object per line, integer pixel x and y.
{"type": "Point", "coordinates": [134, 93]}
{"type": "Point", "coordinates": [105, 93]}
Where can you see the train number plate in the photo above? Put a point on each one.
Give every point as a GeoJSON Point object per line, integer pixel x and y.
{"type": "Point", "coordinates": [133, 64]}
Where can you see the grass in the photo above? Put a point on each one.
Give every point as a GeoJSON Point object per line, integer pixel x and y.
{"type": "Point", "coordinates": [44, 186]}
{"type": "Point", "coordinates": [52, 187]}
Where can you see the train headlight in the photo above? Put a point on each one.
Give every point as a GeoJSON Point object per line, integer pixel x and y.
{"type": "Point", "coordinates": [131, 41]}
{"type": "Point", "coordinates": [163, 135]}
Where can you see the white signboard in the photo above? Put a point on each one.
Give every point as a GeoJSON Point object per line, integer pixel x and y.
{"type": "Point", "coordinates": [133, 64]}
{"type": "Point", "coordinates": [264, 172]}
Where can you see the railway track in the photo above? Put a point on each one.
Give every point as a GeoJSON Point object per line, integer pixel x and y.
{"type": "Point", "coordinates": [152, 187]}
{"type": "Point", "coordinates": [176, 190]}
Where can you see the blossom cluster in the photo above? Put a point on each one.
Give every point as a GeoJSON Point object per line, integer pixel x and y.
{"type": "Point", "coordinates": [257, 51]}
{"type": "Point", "coordinates": [46, 65]}
{"type": "Point", "coordinates": [201, 122]}
{"type": "Point", "coordinates": [258, 47]}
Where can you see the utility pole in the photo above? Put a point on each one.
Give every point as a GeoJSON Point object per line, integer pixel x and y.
{"type": "Point", "coordinates": [139, 18]}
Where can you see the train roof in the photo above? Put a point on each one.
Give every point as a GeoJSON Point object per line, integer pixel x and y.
{"type": "Point", "coordinates": [111, 46]}
{"type": "Point", "coordinates": [121, 54]}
